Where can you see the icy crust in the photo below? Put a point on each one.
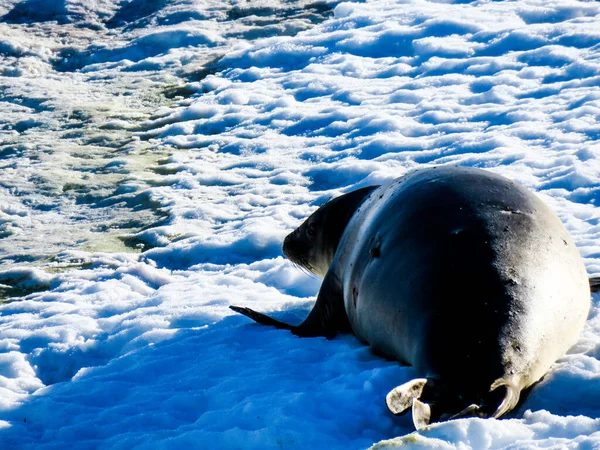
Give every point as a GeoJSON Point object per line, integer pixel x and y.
{"type": "Point", "coordinates": [141, 351]}
{"type": "Point", "coordinates": [87, 73]}
{"type": "Point", "coordinates": [383, 88]}
{"type": "Point", "coordinates": [555, 432]}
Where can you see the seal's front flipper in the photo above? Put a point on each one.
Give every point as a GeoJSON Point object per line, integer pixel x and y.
{"type": "Point", "coordinates": [327, 317]}
{"type": "Point", "coordinates": [401, 398]}
{"type": "Point", "coordinates": [308, 328]}
{"type": "Point", "coordinates": [261, 318]}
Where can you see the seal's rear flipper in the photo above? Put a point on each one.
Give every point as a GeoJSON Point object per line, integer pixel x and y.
{"type": "Point", "coordinates": [432, 401]}
{"type": "Point", "coordinates": [401, 398]}
{"type": "Point", "coordinates": [421, 414]}
{"type": "Point", "coordinates": [511, 396]}
{"type": "Point", "coordinates": [408, 395]}
{"type": "Point", "coordinates": [469, 411]}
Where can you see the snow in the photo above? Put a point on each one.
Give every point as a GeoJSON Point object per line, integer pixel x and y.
{"type": "Point", "coordinates": [154, 155]}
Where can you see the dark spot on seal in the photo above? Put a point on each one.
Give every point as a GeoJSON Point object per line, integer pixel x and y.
{"type": "Point", "coordinates": [565, 242]}
{"type": "Point", "coordinates": [517, 348]}
{"type": "Point", "coordinates": [354, 295]}
{"type": "Point", "coordinates": [375, 252]}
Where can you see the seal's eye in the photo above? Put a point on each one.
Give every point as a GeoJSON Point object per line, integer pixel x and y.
{"type": "Point", "coordinates": [311, 230]}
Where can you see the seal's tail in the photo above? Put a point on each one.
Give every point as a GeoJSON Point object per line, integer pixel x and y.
{"type": "Point", "coordinates": [432, 401]}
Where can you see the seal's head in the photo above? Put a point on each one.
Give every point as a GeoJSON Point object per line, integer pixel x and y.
{"type": "Point", "coordinates": [313, 244]}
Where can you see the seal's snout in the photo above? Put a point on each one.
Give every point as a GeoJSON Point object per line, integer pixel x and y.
{"type": "Point", "coordinates": [287, 243]}
{"type": "Point", "coordinates": [294, 248]}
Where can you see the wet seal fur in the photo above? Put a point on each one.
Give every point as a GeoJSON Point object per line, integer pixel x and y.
{"type": "Point", "coordinates": [459, 272]}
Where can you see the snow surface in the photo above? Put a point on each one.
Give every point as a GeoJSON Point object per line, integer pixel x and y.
{"type": "Point", "coordinates": [154, 154]}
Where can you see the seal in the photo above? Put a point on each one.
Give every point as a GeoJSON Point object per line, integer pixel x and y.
{"type": "Point", "coordinates": [459, 272]}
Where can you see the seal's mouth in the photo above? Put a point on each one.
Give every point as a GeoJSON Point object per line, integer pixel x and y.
{"type": "Point", "coordinates": [287, 243]}
{"type": "Point", "coordinates": [292, 249]}
{"type": "Point", "coordinates": [296, 251]}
